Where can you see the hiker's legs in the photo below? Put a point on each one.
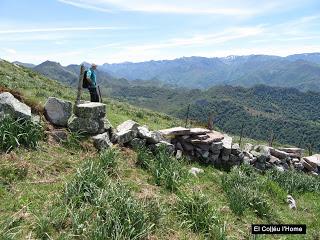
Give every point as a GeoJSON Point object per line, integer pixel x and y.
{"type": "Point", "coordinates": [94, 97]}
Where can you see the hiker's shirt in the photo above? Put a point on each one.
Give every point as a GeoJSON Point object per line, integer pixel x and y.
{"type": "Point", "coordinates": [92, 75]}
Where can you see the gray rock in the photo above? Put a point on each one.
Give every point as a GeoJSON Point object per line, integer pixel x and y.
{"type": "Point", "coordinates": [291, 202]}
{"type": "Point", "coordinates": [280, 168]}
{"type": "Point", "coordinates": [107, 124]}
{"type": "Point", "coordinates": [226, 146]}
{"type": "Point", "coordinates": [138, 142]}
{"type": "Point", "coordinates": [143, 132]}
{"type": "Point", "coordinates": [11, 106]}
{"type": "Point", "coordinates": [248, 147]}
{"type": "Point", "coordinates": [176, 131]}
{"type": "Point", "coordinates": [313, 160]}
{"type": "Point", "coordinates": [128, 125]}
{"type": "Point", "coordinates": [195, 171]}
{"type": "Point", "coordinates": [264, 150]}
{"type": "Point", "coordinates": [179, 154]}
{"type": "Point", "coordinates": [216, 146]}
{"type": "Point", "coordinates": [274, 160]}
{"type": "Point", "coordinates": [124, 136]}
{"type": "Point", "coordinates": [86, 125]}
{"type": "Point", "coordinates": [35, 119]}
{"type": "Point", "coordinates": [199, 131]}
{"type": "Point", "coordinates": [179, 146]}
{"type": "Point", "coordinates": [235, 149]}
{"type": "Point", "coordinates": [167, 146]}
{"type": "Point", "coordinates": [92, 110]}
{"type": "Point", "coordinates": [308, 166]}
{"type": "Point", "coordinates": [155, 137]}
{"type": "Point", "coordinates": [293, 152]}
{"type": "Point", "coordinates": [278, 153]}
{"type": "Point", "coordinates": [298, 165]}
{"type": "Point", "coordinates": [213, 137]}
{"type": "Point", "coordinates": [213, 158]}
{"type": "Point", "coordinates": [58, 111]}
{"type": "Point", "coordinates": [59, 135]}
{"type": "Point", "coordinates": [102, 141]}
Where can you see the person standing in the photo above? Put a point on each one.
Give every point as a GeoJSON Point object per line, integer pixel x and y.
{"type": "Point", "coordinates": [92, 80]}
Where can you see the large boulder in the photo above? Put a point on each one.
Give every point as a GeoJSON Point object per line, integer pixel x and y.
{"type": "Point", "coordinates": [58, 111]}
{"type": "Point", "coordinates": [11, 106]}
{"type": "Point", "coordinates": [102, 141]}
{"type": "Point", "coordinates": [92, 110]}
{"type": "Point", "coordinates": [86, 125]}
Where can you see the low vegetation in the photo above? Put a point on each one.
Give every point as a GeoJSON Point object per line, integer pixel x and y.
{"type": "Point", "coordinates": [15, 133]}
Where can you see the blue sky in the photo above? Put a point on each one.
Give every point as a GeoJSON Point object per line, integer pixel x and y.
{"type": "Point", "coordinates": [73, 31]}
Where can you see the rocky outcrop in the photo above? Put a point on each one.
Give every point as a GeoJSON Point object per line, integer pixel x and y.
{"type": "Point", "coordinates": [58, 111]}
{"type": "Point", "coordinates": [89, 118]}
{"type": "Point", "coordinates": [11, 106]}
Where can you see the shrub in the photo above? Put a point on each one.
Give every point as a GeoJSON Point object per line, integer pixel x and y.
{"type": "Point", "coordinates": [293, 181]}
{"type": "Point", "coordinates": [21, 132]}
{"type": "Point", "coordinates": [197, 213]}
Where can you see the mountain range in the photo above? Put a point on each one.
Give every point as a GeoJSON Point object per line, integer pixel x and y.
{"type": "Point", "coordinates": [290, 114]}
{"type": "Point", "coordinates": [300, 71]}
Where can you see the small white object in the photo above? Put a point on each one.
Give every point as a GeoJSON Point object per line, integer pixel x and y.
{"type": "Point", "coordinates": [292, 202]}
{"type": "Point", "coordinates": [195, 171]}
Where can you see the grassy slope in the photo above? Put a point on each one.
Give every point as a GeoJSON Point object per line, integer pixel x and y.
{"type": "Point", "coordinates": [38, 177]}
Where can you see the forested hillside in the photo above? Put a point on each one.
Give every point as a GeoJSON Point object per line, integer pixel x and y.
{"type": "Point", "coordinates": [290, 115]}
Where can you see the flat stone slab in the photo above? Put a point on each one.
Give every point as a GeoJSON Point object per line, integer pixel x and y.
{"type": "Point", "coordinates": [90, 110]}
{"type": "Point", "coordinates": [11, 106]}
{"type": "Point", "coordinates": [213, 137]}
{"type": "Point", "coordinates": [293, 152]}
{"type": "Point", "coordinates": [278, 153]}
{"type": "Point", "coordinates": [176, 131]}
{"type": "Point", "coordinates": [199, 131]}
{"type": "Point", "coordinates": [313, 160]}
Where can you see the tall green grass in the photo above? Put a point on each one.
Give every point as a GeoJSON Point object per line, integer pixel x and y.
{"type": "Point", "coordinates": [294, 181]}
{"type": "Point", "coordinates": [21, 132]}
{"type": "Point", "coordinates": [197, 213]}
{"type": "Point", "coordinates": [99, 207]}
{"type": "Point", "coordinates": [166, 170]}
{"type": "Point", "coordinates": [245, 190]}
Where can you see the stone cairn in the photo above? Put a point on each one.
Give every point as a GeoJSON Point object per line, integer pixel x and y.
{"type": "Point", "coordinates": [197, 144]}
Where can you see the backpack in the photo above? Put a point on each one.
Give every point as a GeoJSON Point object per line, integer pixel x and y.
{"type": "Point", "coordinates": [85, 82]}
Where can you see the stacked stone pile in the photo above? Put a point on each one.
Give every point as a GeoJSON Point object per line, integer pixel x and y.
{"type": "Point", "coordinates": [89, 118]}
{"type": "Point", "coordinates": [264, 157]}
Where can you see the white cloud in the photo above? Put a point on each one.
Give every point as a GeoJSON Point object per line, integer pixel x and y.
{"type": "Point", "coordinates": [218, 7]}
{"type": "Point", "coordinates": [60, 29]}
